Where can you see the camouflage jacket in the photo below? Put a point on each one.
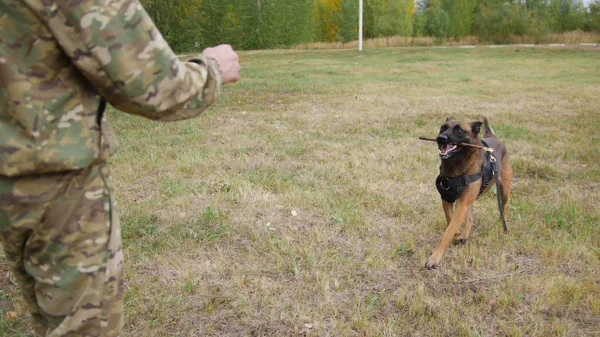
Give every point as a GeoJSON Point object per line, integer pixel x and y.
{"type": "Point", "coordinates": [59, 61]}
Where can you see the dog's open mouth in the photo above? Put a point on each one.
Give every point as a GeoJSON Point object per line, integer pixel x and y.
{"type": "Point", "coordinates": [446, 150]}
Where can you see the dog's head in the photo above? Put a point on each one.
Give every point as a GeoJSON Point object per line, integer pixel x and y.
{"type": "Point", "coordinates": [453, 132]}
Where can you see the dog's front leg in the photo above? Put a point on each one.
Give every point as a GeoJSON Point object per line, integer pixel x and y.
{"type": "Point", "coordinates": [463, 203]}
{"type": "Point", "coordinates": [448, 211]}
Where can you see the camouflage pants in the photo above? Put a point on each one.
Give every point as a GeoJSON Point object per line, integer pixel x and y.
{"type": "Point", "coordinates": [62, 239]}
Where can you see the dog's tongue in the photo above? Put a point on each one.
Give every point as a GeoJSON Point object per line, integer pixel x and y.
{"type": "Point", "coordinates": [446, 148]}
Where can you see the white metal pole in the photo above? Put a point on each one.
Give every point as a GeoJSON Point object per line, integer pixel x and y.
{"type": "Point", "coordinates": [360, 25]}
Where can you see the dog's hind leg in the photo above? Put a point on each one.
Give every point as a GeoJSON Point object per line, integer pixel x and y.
{"type": "Point", "coordinates": [462, 238]}
{"type": "Point", "coordinates": [449, 212]}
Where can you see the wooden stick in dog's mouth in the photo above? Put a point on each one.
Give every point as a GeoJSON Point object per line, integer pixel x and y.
{"type": "Point", "coordinates": [488, 149]}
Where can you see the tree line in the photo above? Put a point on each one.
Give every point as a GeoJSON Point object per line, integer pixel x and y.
{"type": "Point", "coordinates": [262, 24]}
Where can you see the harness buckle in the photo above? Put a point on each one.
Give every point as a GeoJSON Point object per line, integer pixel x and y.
{"type": "Point", "coordinates": [445, 179]}
{"type": "Point", "coordinates": [492, 159]}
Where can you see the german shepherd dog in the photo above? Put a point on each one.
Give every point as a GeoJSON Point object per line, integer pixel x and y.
{"type": "Point", "coordinates": [465, 174]}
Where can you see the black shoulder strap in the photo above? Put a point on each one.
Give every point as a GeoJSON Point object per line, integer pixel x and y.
{"type": "Point", "coordinates": [100, 113]}
{"type": "Point", "coordinates": [465, 180]}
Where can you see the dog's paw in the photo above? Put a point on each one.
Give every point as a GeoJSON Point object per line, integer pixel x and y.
{"type": "Point", "coordinates": [431, 263]}
{"type": "Point", "coordinates": [460, 241]}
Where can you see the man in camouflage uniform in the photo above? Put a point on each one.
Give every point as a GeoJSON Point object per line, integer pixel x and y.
{"type": "Point", "coordinates": [59, 62]}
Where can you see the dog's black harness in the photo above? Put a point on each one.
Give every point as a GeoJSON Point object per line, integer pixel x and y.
{"type": "Point", "coordinates": [451, 188]}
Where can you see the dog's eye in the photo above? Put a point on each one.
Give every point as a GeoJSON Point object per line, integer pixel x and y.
{"type": "Point", "coordinates": [458, 129]}
{"type": "Point", "coordinates": [444, 128]}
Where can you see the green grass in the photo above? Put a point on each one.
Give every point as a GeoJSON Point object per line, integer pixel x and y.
{"type": "Point", "coordinates": [303, 202]}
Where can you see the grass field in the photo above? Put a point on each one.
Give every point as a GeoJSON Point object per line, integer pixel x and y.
{"type": "Point", "coordinates": [303, 204]}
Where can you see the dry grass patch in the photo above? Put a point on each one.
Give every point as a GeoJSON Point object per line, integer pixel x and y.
{"type": "Point", "coordinates": [303, 203]}
{"type": "Point", "coordinates": [573, 37]}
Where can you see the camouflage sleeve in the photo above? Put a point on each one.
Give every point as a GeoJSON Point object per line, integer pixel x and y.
{"type": "Point", "coordinates": [120, 51]}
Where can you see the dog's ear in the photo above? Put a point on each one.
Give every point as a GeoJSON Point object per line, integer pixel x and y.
{"type": "Point", "coordinates": [476, 127]}
{"type": "Point", "coordinates": [449, 118]}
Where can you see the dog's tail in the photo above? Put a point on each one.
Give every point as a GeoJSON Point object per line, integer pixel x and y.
{"type": "Point", "coordinates": [489, 132]}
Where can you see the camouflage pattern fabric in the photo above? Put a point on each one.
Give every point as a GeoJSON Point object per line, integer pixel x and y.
{"type": "Point", "coordinates": [59, 62]}
{"type": "Point", "coordinates": [58, 58]}
{"type": "Point", "coordinates": [62, 238]}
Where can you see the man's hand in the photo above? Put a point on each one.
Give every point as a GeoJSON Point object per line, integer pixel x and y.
{"type": "Point", "coordinates": [228, 61]}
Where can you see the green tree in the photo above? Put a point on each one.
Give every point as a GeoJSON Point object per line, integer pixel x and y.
{"type": "Point", "coordinates": [327, 14]}
{"type": "Point", "coordinates": [419, 23]}
{"type": "Point", "coordinates": [284, 23]}
{"type": "Point", "coordinates": [436, 20]}
{"type": "Point", "coordinates": [392, 17]}
{"type": "Point", "coordinates": [460, 17]}
{"type": "Point", "coordinates": [566, 15]}
{"type": "Point", "coordinates": [398, 18]}
{"type": "Point", "coordinates": [177, 21]}
{"type": "Point", "coordinates": [496, 21]}
{"type": "Point", "coordinates": [369, 18]}
{"type": "Point", "coordinates": [349, 20]}
{"type": "Point", "coordinates": [594, 16]}
{"type": "Point", "coordinates": [191, 25]}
